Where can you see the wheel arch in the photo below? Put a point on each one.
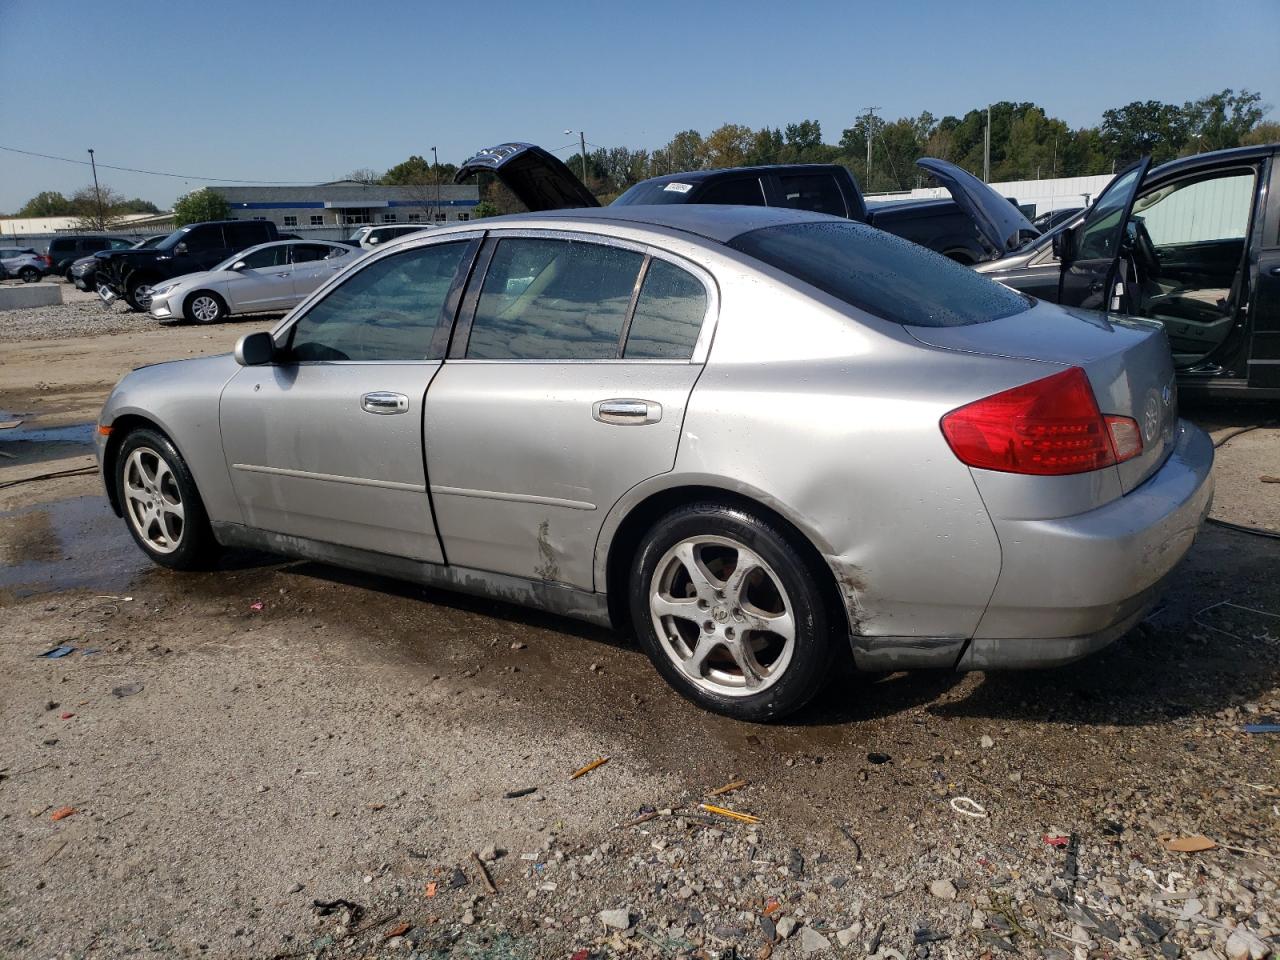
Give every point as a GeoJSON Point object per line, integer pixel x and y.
{"type": "Point", "coordinates": [186, 301]}
{"type": "Point", "coordinates": [121, 427]}
{"type": "Point", "coordinates": [627, 525]}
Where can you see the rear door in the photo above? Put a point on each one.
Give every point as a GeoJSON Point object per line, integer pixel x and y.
{"type": "Point", "coordinates": [313, 264]}
{"type": "Point", "coordinates": [1090, 267]}
{"type": "Point", "coordinates": [566, 385]}
{"type": "Point", "coordinates": [799, 190]}
{"type": "Point", "coordinates": [326, 442]}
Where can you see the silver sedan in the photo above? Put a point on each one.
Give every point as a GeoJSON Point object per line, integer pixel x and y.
{"type": "Point", "coordinates": [271, 277]}
{"type": "Point", "coordinates": [760, 439]}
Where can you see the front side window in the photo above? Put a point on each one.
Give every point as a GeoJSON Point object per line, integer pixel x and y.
{"type": "Point", "coordinates": [118, 244]}
{"type": "Point", "coordinates": [882, 274]}
{"type": "Point", "coordinates": [811, 191]}
{"type": "Point", "coordinates": [241, 235]}
{"type": "Point", "coordinates": [1101, 232]}
{"type": "Point", "coordinates": [390, 310]}
{"type": "Point", "coordinates": [94, 243]}
{"type": "Point", "coordinates": [266, 257]}
{"type": "Point", "coordinates": [668, 315]}
{"type": "Point", "coordinates": [210, 238]}
{"type": "Point", "coordinates": [546, 299]}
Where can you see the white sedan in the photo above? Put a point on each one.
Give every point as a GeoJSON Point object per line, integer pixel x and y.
{"type": "Point", "coordinates": [268, 278]}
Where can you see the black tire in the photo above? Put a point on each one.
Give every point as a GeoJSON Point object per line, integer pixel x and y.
{"type": "Point", "coordinates": [801, 677]}
{"type": "Point", "coordinates": [195, 308]}
{"type": "Point", "coordinates": [192, 545]}
{"type": "Point", "coordinates": [68, 276]}
{"type": "Point", "coordinates": [133, 295]}
{"type": "Point", "coordinates": [29, 274]}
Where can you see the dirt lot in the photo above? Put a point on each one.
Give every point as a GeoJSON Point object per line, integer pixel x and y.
{"type": "Point", "coordinates": [241, 745]}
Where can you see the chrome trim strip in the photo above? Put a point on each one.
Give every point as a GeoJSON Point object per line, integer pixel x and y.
{"type": "Point", "coordinates": [1264, 363]}
{"type": "Point", "coordinates": [511, 497]}
{"type": "Point", "coordinates": [331, 478]}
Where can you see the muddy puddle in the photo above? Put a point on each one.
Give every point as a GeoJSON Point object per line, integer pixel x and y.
{"type": "Point", "coordinates": [71, 433]}
{"type": "Point", "coordinates": [68, 544]}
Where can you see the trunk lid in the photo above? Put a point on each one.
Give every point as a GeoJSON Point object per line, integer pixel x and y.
{"type": "Point", "coordinates": [540, 181]}
{"type": "Point", "coordinates": [999, 222]}
{"type": "Point", "coordinates": [1127, 361]}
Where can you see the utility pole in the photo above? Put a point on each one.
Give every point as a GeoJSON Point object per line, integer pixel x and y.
{"type": "Point", "coordinates": [871, 117]}
{"type": "Point", "coordinates": [582, 142]}
{"type": "Point", "coordinates": [435, 175]}
{"type": "Point", "coordinates": [986, 149]}
{"type": "Point", "coordinates": [102, 220]}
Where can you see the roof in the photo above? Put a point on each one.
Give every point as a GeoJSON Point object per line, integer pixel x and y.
{"type": "Point", "coordinates": [693, 176]}
{"type": "Point", "coordinates": [1213, 158]}
{"type": "Point", "coordinates": [718, 223]}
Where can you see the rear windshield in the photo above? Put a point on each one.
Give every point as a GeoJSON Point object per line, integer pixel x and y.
{"type": "Point", "coordinates": [884, 275]}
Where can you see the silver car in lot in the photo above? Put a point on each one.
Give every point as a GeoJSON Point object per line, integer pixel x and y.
{"type": "Point", "coordinates": [758, 438]}
{"type": "Point", "coordinates": [271, 277]}
{"type": "Point", "coordinates": [21, 263]}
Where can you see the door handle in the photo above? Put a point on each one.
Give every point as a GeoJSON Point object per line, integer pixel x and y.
{"type": "Point", "coordinates": [384, 402]}
{"type": "Point", "coordinates": [624, 412]}
{"type": "Point", "coordinates": [282, 274]}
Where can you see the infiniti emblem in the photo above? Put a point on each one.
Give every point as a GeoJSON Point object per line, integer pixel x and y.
{"type": "Point", "coordinates": [1151, 418]}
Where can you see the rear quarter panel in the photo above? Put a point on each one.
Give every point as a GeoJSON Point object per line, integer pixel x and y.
{"type": "Point", "coordinates": [833, 423]}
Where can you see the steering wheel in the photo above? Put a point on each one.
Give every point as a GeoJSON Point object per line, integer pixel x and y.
{"type": "Point", "coordinates": [1144, 250]}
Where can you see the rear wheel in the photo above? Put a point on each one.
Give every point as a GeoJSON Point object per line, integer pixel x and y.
{"type": "Point", "coordinates": [730, 612]}
{"type": "Point", "coordinates": [162, 507]}
{"type": "Point", "coordinates": [204, 306]}
{"type": "Point", "coordinates": [29, 274]}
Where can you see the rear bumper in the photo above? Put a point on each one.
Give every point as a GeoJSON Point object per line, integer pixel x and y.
{"type": "Point", "coordinates": [1071, 586]}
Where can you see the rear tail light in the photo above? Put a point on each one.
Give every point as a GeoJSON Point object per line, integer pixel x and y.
{"type": "Point", "coordinates": [1050, 427]}
{"type": "Point", "coordinates": [48, 260]}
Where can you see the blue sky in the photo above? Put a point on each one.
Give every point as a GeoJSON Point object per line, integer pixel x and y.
{"type": "Point", "coordinates": [311, 90]}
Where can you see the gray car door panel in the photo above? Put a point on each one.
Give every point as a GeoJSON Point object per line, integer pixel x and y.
{"type": "Point", "coordinates": [308, 458]}
{"type": "Point", "coordinates": [523, 475]}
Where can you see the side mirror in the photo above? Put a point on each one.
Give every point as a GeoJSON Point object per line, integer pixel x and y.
{"type": "Point", "coordinates": [255, 349]}
{"type": "Point", "coordinates": [372, 240]}
{"type": "Point", "coordinates": [1063, 243]}
{"type": "Point", "coordinates": [239, 265]}
{"type": "Point", "coordinates": [180, 250]}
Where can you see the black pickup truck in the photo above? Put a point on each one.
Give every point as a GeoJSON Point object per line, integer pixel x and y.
{"type": "Point", "coordinates": [1193, 244]}
{"type": "Point", "coordinates": [190, 249]}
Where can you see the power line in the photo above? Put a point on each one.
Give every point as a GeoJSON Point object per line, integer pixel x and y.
{"type": "Point", "coordinates": [158, 173]}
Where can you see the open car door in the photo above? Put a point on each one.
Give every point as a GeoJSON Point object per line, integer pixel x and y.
{"type": "Point", "coordinates": [1090, 252]}
{"type": "Point", "coordinates": [1000, 224]}
{"type": "Point", "coordinates": [539, 180]}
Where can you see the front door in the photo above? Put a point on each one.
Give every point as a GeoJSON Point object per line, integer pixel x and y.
{"type": "Point", "coordinates": [1264, 355]}
{"type": "Point", "coordinates": [1090, 266]}
{"type": "Point", "coordinates": [566, 385]}
{"type": "Point", "coordinates": [264, 282]}
{"type": "Point", "coordinates": [326, 442]}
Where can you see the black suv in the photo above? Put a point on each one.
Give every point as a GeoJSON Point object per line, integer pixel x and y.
{"type": "Point", "coordinates": [63, 251]}
{"type": "Point", "coordinates": [190, 249]}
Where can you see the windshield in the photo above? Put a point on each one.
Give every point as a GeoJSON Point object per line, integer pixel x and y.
{"type": "Point", "coordinates": [882, 274]}
{"type": "Point", "coordinates": [173, 239]}
{"type": "Point", "coordinates": [671, 191]}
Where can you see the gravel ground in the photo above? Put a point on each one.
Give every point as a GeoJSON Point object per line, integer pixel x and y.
{"type": "Point", "coordinates": [243, 743]}
{"type": "Point", "coordinates": [80, 314]}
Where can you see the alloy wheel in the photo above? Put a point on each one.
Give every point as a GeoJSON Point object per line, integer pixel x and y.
{"type": "Point", "coordinates": [722, 615]}
{"type": "Point", "coordinates": [153, 500]}
{"type": "Point", "coordinates": [205, 309]}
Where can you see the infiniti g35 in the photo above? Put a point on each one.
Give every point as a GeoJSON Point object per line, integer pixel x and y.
{"type": "Point", "coordinates": [758, 438]}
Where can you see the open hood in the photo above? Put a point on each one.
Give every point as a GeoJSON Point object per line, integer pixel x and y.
{"type": "Point", "coordinates": [1000, 223]}
{"type": "Point", "coordinates": [538, 179]}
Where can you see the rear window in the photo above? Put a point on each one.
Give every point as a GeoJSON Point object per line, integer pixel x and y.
{"type": "Point", "coordinates": [884, 275]}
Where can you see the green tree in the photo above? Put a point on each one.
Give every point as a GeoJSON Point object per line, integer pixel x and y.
{"type": "Point", "coordinates": [1220, 120]}
{"type": "Point", "coordinates": [483, 209]}
{"type": "Point", "coordinates": [198, 206]}
{"type": "Point", "coordinates": [1263, 133]}
{"type": "Point", "coordinates": [728, 145]}
{"type": "Point", "coordinates": [1144, 127]}
{"type": "Point", "coordinates": [47, 203]}
{"type": "Point", "coordinates": [766, 146]}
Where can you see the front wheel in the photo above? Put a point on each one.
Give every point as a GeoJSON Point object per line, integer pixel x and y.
{"type": "Point", "coordinates": [29, 274]}
{"type": "Point", "coordinates": [162, 507]}
{"type": "Point", "coordinates": [729, 610]}
{"type": "Point", "coordinates": [204, 307]}
{"type": "Point", "coordinates": [138, 295]}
